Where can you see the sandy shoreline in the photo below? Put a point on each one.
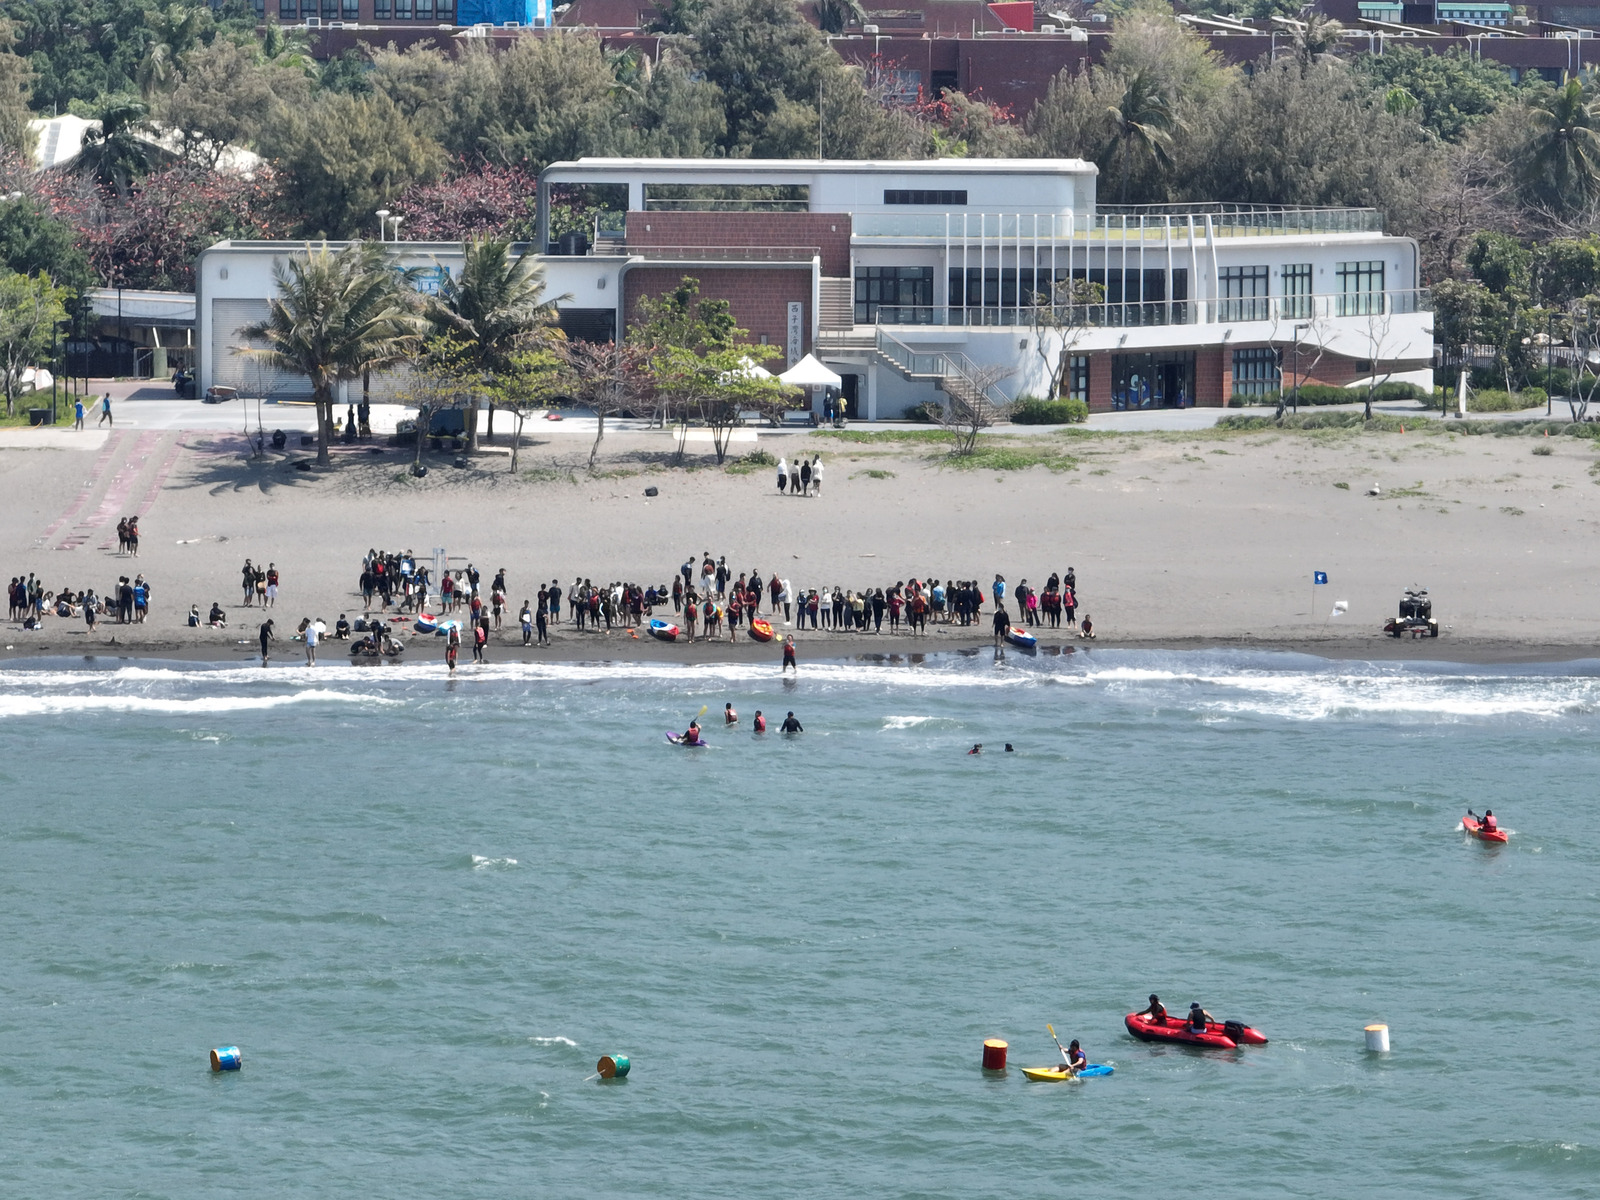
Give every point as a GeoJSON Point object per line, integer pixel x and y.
{"type": "Point", "coordinates": [1179, 541]}
{"type": "Point", "coordinates": [221, 648]}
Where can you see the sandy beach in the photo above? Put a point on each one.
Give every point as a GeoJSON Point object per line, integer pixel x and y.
{"type": "Point", "coordinates": [1185, 540]}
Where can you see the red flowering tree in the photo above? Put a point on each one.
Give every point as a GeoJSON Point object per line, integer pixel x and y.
{"type": "Point", "coordinates": [478, 201]}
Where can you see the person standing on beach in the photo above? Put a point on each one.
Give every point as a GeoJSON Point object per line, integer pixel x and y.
{"type": "Point", "coordinates": [452, 646]}
{"type": "Point", "coordinates": [788, 656]}
{"type": "Point", "coordinates": [1002, 622]}
{"type": "Point", "coordinates": [525, 617]}
{"type": "Point", "coordinates": [266, 636]}
{"type": "Point", "coordinates": [805, 478]}
{"type": "Point", "coordinates": [272, 585]}
{"type": "Point", "coordinates": [480, 639]}
{"type": "Point", "coordinates": [77, 413]}
{"type": "Point", "coordinates": [311, 643]}
{"type": "Point", "coordinates": [105, 412]}
{"type": "Point", "coordinates": [816, 474]}
{"type": "Point", "coordinates": [783, 476]}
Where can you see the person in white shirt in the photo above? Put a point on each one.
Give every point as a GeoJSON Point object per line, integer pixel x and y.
{"type": "Point", "coordinates": [816, 474]}
{"type": "Point", "coordinates": [785, 598]}
{"type": "Point", "coordinates": [311, 644]}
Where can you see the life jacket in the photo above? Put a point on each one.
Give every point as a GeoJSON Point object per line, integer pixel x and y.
{"type": "Point", "coordinates": [1490, 823]}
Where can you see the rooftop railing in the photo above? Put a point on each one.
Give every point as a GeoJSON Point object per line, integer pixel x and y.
{"type": "Point", "coordinates": [1120, 222]}
{"type": "Point", "coordinates": [723, 253]}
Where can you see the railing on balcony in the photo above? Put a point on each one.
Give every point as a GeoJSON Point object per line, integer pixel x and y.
{"type": "Point", "coordinates": [1258, 309]}
{"type": "Point", "coordinates": [724, 253]}
{"type": "Point", "coordinates": [1154, 222]}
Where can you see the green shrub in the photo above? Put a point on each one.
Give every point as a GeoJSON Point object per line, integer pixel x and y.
{"type": "Point", "coordinates": [1489, 400]}
{"type": "Point", "coordinates": [1557, 381]}
{"type": "Point", "coordinates": [926, 412]}
{"type": "Point", "coordinates": [1033, 411]}
{"type": "Point", "coordinates": [1315, 395]}
{"type": "Point", "coordinates": [1382, 422]}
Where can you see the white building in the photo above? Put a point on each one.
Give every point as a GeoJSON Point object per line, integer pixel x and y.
{"type": "Point", "coordinates": [912, 278]}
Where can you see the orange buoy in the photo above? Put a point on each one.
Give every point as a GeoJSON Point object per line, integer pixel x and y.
{"type": "Point", "coordinates": [994, 1054]}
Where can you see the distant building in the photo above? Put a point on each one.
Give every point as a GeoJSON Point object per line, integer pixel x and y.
{"type": "Point", "coordinates": [917, 279]}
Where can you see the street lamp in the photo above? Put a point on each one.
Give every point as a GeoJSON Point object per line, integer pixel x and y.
{"type": "Point", "coordinates": [383, 220]}
{"type": "Point", "coordinates": [1298, 330]}
{"type": "Point", "coordinates": [396, 221]}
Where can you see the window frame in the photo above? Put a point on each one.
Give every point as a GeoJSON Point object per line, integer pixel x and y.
{"type": "Point", "coordinates": [1357, 296]}
{"type": "Point", "coordinates": [1262, 370]}
{"type": "Point", "coordinates": [1244, 293]}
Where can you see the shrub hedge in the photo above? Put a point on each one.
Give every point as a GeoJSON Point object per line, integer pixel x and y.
{"type": "Point", "coordinates": [1316, 394]}
{"type": "Point", "coordinates": [1031, 410]}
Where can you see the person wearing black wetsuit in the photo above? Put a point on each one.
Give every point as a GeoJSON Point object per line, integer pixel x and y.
{"type": "Point", "coordinates": [790, 725]}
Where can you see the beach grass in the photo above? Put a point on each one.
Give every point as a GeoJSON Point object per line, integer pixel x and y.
{"type": "Point", "coordinates": [993, 457]}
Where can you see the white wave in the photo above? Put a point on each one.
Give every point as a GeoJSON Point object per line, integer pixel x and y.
{"type": "Point", "coordinates": [56, 705]}
{"type": "Point", "coordinates": [480, 863]}
{"type": "Point", "coordinates": [553, 1041]}
{"type": "Point", "coordinates": [907, 722]}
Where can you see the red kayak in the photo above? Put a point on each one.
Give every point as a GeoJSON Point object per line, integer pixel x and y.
{"type": "Point", "coordinates": [1475, 827]}
{"type": "Point", "coordinates": [1221, 1035]}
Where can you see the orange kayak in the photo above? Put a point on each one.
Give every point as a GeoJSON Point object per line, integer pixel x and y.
{"type": "Point", "coordinates": [761, 630]}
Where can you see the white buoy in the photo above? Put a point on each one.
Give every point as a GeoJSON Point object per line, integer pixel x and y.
{"type": "Point", "coordinates": [1378, 1039]}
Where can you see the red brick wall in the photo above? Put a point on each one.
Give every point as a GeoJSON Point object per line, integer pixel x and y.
{"type": "Point", "coordinates": [1332, 369]}
{"type": "Point", "coordinates": [758, 296]}
{"type": "Point", "coordinates": [828, 231]}
{"type": "Point", "coordinates": [1213, 377]}
{"type": "Point", "coordinates": [1099, 383]}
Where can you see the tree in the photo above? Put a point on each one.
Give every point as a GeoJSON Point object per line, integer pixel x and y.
{"type": "Point", "coordinates": [835, 16]}
{"type": "Point", "coordinates": [715, 386]}
{"type": "Point", "coordinates": [761, 53]}
{"type": "Point", "coordinates": [970, 405]}
{"type": "Point", "coordinates": [1560, 157]}
{"type": "Point", "coordinates": [1501, 262]}
{"type": "Point", "coordinates": [115, 153]}
{"type": "Point", "coordinates": [1378, 330]}
{"type": "Point", "coordinates": [343, 157]}
{"type": "Point", "coordinates": [1066, 313]}
{"type": "Point", "coordinates": [1567, 269]}
{"type": "Point", "coordinates": [32, 241]}
{"type": "Point", "coordinates": [16, 85]}
{"type": "Point", "coordinates": [30, 307]}
{"type": "Point", "coordinates": [533, 378]}
{"type": "Point", "coordinates": [440, 377]}
{"type": "Point", "coordinates": [1316, 37]}
{"type": "Point", "coordinates": [336, 316]}
{"type": "Point", "coordinates": [491, 307]}
{"type": "Point", "coordinates": [1445, 93]}
{"type": "Point", "coordinates": [226, 97]}
{"type": "Point", "coordinates": [174, 30]}
{"type": "Point", "coordinates": [608, 378]}
{"type": "Point", "coordinates": [78, 49]}
{"type": "Point", "coordinates": [480, 201]}
{"type": "Point", "coordinates": [681, 318]}
{"type": "Point", "coordinates": [1143, 124]}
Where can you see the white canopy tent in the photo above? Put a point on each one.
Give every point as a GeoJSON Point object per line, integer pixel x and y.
{"type": "Point", "coordinates": [808, 372]}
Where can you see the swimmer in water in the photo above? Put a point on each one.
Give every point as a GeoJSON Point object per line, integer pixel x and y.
{"type": "Point", "coordinates": [976, 749]}
{"type": "Point", "coordinates": [729, 717]}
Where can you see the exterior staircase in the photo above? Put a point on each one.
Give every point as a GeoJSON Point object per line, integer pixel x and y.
{"type": "Point", "coordinates": [836, 303]}
{"type": "Point", "coordinates": [952, 372]}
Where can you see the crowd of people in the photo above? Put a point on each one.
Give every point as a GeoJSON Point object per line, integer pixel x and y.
{"type": "Point", "coordinates": [30, 602]}
{"type": "Point", "coordinates": [260, 586]}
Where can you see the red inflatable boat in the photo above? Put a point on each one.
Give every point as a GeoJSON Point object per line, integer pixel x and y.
{"type": "Point", "coordinates": [1221, 1035]}
{"type": "Point", "coordinates": [1475, 827]}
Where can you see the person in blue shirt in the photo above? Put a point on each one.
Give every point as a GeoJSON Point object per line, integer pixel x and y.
{"type": "Point", "coordinates": [999, 588]}
{"type": "Point", "coordinates": [77, 414]}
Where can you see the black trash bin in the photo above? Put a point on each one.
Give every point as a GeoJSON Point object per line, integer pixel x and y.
{"type": "Point", "coordinates": [38, 416]}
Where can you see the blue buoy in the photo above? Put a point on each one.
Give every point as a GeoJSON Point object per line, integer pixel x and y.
{"type": "Point", "coordinates": [613, 1066]}
{"type": "Point", "coordinates": [226, 1058]}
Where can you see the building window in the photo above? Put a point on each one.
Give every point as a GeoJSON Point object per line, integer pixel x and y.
{"type": "Point", "coordinates": [1243, 292]}
{"type": "Point", "coordinates": [352, 10]}
{"type": "Point", "coordinates": [1256, 372]}
{"type": "Point", "coordinates": [447, 10]}
{"type": "Point", "coordinates": [402, 9]}
{"type": "Point", "coordinates": [380, 8]}
{"type": "Point", "coordinates": [1077, 380]}
{"type": "Point", "coordinates": [330, 8]}
{"type": "Point", "coordinates": [424, 10]}
{"type": "Point", "coordinates": [924, 197]}
{"type": "Point", "coordinates": [894, 295]}
{"type": "Point", "coordinates": [1297, 291]}
{"type": "Point", "coordinates": [1360, 288]}
{"type": "Point", "coordinates": [288, 10]}
{"type": "Point", "coordinates": [1164, 379]}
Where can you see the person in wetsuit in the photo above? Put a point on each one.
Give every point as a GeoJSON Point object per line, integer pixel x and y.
{"type": "Point", "coordinates": [790, 725]}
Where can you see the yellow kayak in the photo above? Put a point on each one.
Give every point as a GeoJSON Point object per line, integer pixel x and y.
{"type": "Point", "coordinates": [1060, 1075]}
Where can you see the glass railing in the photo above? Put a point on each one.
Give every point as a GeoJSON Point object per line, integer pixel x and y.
{"type": "Point", "coordinates": [1120, 222]}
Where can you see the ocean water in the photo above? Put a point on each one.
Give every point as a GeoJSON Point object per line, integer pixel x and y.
{"type": "Point", "coordinates": [425, 908]}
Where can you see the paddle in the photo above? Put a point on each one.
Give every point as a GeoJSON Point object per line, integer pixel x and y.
{"type": "Point", "coordinates": [1067, 1061]}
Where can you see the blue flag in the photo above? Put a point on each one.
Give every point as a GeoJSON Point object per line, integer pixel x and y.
{"type": "Point", "coordinates": [1319, 577]}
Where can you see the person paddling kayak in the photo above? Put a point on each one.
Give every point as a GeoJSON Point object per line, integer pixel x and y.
{"type": "Point", "coordinates": [691, 735]}
{"type": "Point", "coordinates": [1077, 1060]}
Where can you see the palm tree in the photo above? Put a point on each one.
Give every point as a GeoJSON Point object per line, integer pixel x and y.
{"type": "Point", "coordinates": [336, 316]}
{"type": "Point", "coordinates": [1143, 123]}
{"type": "Point", "coordinates": [1561, 157]}
{"type": "Point", "coordinates": [835, 16]}
{"type": "Point", "coordinates": [492, 307]}
{"type": "Point", "coordinates": [1314, 39]}
{"type": "Point", "coordinates": [174, 31]}
{"type": "Point", "coordinates": [115, 153]}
